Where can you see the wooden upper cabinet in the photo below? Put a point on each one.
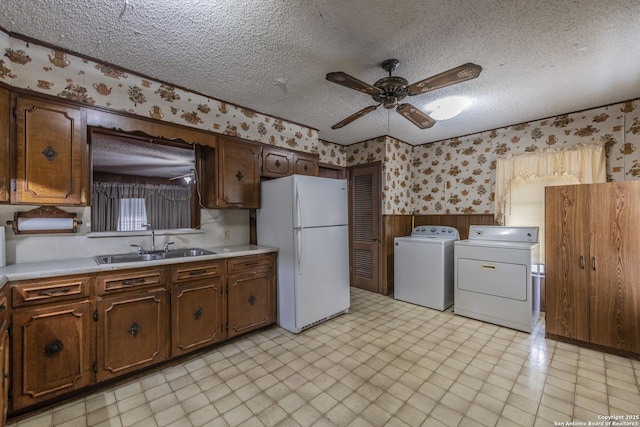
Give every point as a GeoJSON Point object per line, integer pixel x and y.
{"type": "Point", "coordinates": [238, 174]}
{"type": "Point", "coordinates": [279, 162]}
{"type": "Point", "coordinates": [5, 159]}
{"type": "Point", "coordinates": [305, 164]}
{"type": "Point", "coordinates": [50, 153]}
{"type": "Point", "coordinates": [276, 163]}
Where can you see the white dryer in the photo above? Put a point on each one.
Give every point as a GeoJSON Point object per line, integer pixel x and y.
{"type": "Point", "coordinates": [423, 266]}
{"type": "Point", "coordinates": [493, 276]}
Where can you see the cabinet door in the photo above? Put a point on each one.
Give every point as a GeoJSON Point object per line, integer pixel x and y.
{"type": "Point", "coordinates": [4, 360]}
{"type": "Point", "coordinates": [50, 153]}
{"type": "Point", "coordinates": [567, 252]}
{"type": "Point", "coordinates": [51, 352]}
{"type": "Point", "coordinates": [5, 158]}
{"type": "Point", "coordinates": [614, 266]}
{"type": "Point", "coordinates": [251, 302]}
{"type": "Point", "coordinates": [131, 331]}
{"type": "Point", "coordinates": [276, 163]}
{"type": "Point", "coordinates": [238, 174]}
{"type": "Point", "coordinates": [196, 315]}
{"type": "Point", "coordinates": [305, 164]}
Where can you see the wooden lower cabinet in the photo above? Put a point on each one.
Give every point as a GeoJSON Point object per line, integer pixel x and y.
{"type": "Point", "coordinates": [5, 356]}
{"type": "Point", "coordinates": [251, 293]}
{"type": "Point", "coordinates": [131, 332]}
{"type": "Point", "coordinates": [73, 332]}
{"type": "Point", "coordinates": [51, 351]}
{"type": "Point", "coordinates": [198, 306]}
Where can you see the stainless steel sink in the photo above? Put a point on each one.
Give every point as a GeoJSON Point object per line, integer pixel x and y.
{"type": "Point", "coordinates": [178, 253]}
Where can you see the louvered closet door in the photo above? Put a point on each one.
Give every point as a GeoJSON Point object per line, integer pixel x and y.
{"type": "Point", "coordinates": [365, 226]}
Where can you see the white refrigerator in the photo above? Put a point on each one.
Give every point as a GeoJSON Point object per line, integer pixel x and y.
{"type": "Point", "coordinates": [306, 218]}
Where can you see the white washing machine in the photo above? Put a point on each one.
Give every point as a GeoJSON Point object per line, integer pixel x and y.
{"type": "Point", "coordinates": [493, 280]}
{"type": "Point", "coordinates": [423, 266]}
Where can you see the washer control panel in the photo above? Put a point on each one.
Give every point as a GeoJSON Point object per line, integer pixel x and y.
{"type": "Point", "coordinates": [436, 231]}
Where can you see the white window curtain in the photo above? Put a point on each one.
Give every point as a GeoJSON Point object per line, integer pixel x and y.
{"type": "Point", "coordinates": [132, 215]}
{"type": "Point", "coordinates": [520, 182]}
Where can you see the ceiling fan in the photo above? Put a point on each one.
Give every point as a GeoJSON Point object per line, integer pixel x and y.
{"type": "Point", "coordinates": [389, 90]}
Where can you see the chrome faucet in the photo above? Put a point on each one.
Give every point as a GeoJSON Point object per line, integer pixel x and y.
{"type": "Point", "coordinates": [153, 236]}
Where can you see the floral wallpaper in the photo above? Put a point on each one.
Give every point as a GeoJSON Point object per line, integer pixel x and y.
{"type": "Point", "coordinates": [457, 176]}
{"type": "Point", "coordinates": [40, 69]}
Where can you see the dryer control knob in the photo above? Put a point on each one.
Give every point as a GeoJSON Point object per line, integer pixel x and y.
{"type": "Point", "coordinates": [433, 229]}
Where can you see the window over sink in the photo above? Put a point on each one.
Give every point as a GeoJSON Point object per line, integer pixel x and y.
{"type": "Point", "coordinates": [140, 183]}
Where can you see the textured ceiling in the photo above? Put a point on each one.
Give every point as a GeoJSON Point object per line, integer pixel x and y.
{"type": "Point", "coordinates": [131, 156]}
{"type": "Point", "coordinates": [540, 58]}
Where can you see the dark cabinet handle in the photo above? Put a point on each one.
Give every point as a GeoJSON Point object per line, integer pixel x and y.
{"type": "Point", "coordinates": [198, 313]}
{"type": "Point", "coordinates": [582, 262]}
{"type": "Point", "coordinates": [593, 263]}
{"type": "Point", "coordinates": [249, 264]}
{"type": "Point", "coordinates": [305, 167]}
{"type": "Point", "coordinates": [252, 299]}
{"type": "Point", "coordinates": [197, 272]}
{"type": "Point", "coordinates": [239, 175]}
{"type": "Point", "coordinates": [277, 163]}
{"type": "Point", "coordinates": [54, 291]}
{"type": "Point", "coordinates": [133, 281]}
{"type": "Point", "coordinates": [53, 348]}
{"type": "Point", "coordinates": [134, 329]}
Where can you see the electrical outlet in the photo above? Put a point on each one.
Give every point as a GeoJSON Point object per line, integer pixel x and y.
{"type": "Point", "coordinates": [227, 234]}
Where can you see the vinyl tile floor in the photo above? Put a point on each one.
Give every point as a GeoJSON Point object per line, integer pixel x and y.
{"type": "Point", "coordinates": [385, 363]}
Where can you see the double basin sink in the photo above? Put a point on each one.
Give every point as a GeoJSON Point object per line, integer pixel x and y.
{"type": "Point", "coordinates": [151, 256]}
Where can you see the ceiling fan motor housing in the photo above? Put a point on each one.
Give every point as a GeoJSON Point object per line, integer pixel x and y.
{"type": "Point", "coordinates": [393, 90]}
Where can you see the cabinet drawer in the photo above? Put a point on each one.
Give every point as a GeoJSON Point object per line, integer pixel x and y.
{"type": "Point", "coordinates": [43, 291]}
{"type": "Point", "coordinates": [132, 279]}
{"type": "Point", "coordinates": [195, 270]}
{"type": "Point", "coordinates": [249, 263]}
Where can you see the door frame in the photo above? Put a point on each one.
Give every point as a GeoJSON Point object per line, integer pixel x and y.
{"type": "Point", "coordinates": [378, 176]}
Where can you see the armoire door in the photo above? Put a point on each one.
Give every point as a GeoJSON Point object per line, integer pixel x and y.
{"type": "Point", "coordinates": [614, 266]}
{"type": "Point", "coordinates": [567, 250]}
{"type": "Point", "coordinates": [365, 219]}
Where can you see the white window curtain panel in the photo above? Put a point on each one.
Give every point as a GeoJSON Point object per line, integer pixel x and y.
{"type": "Point", "coordinates": [587, 162]}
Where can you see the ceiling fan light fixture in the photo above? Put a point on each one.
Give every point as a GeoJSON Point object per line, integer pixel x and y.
{"type": "Point", "coordinates": [447, 108]}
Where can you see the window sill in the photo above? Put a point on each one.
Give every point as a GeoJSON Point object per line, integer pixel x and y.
{"type": "Point", "coordinates": [98, 234]}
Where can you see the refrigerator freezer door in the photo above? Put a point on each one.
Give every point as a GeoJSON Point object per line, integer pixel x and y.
{"type": "Point", "coordinates": [319, 202]}
{"type": "Point", "coordinates": [321, 263]}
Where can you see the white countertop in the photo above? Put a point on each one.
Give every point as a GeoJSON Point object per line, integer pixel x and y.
{"type": "Point", "coordinates": [36, 270]}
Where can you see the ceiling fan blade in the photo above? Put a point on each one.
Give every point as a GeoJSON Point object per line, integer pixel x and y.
{"type": "Point", "coordinates": [355, 116]}
{"type": "Point", "coordinates": [352, 83]}
{"type": "Point", "coordinates": [415, 116]}
{"type": "Point", "coordinates": [455, 75]}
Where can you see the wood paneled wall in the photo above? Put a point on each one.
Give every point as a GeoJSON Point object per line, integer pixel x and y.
{"type": "Point", "coordinates": [400, 225]}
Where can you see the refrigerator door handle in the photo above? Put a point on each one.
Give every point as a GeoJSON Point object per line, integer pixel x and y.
{"type": "Point", "coordinates": [298, 208]}
{"type": "Point", "coordinates": [299, 251]}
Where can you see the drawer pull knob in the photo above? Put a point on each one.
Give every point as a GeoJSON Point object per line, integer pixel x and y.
{"type": "Point", "coordinates": [130, 282]}
{"type": "Point", "coordinates": [252, 299]}
{"type": "Point", "coordinates": [134, 329]}
{"type": "Point", "coordinates": [54, 291]}
{"type": "Point", "coordinates": [198, 313]}
{"type": "Point", "coordinates": [239, 176]}
{"type": "Point", "coordinates": [197, 272]}
{"type": "Point", "coordinates": [277, 163]}
{"type": "Point", "coordinates": [53, 348]}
